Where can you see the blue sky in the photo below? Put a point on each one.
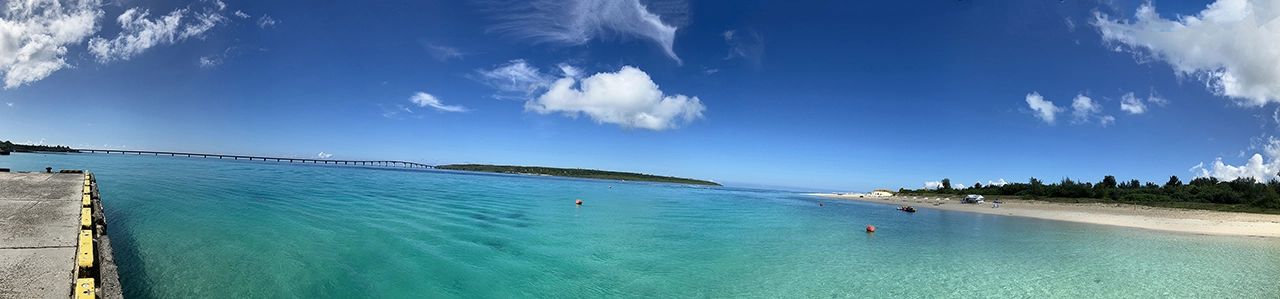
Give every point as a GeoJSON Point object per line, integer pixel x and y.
{"type": "Point", "coordinates": [834, 95]}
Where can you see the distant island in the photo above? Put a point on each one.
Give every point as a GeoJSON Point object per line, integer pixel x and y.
{"type": "Point", "coordinates": [576, 173]}
{"type": "Point", "coordinates": [23, 148]}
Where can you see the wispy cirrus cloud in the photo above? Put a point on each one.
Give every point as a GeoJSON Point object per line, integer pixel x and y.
{"type": "Point", "coordinates": [423, 99]}
{"type": "Point", "coordinates": [576, 22]}
{"type": "Point", "coordinates": [517, 76]}
{"type": "Point", "coordinates": [443, 53]}
{"type": "Point", "coordinates": [139, 31]}
{"type": "Point", "coordinates": [266, 21]}
{"type": "Point", "coordinates": [747, 45]}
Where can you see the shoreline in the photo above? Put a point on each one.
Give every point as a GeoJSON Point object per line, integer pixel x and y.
{"type": "Point", "coordinates": [1154, 218]}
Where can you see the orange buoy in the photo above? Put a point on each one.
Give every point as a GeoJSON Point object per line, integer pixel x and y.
{"type": "Point", "coordinates": [871, 229]}
{"type": "Point", "coordinates": [579, 202]}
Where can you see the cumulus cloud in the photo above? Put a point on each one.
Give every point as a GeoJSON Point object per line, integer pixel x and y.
{"type": "Point", "coordinates": [266, 21]}
{"type": "Point", "coordinates": [423, 99]}
{"type": "Point", "coordinates": [1001, 182]}
{"type": "Point", "coordinates": [1131, 104]}
{"type": "Point", "coordinates": [576, 22]}
{"type": "Point", "coordinates": [1082, 107]}
{"type": "Point", "coordinates": [933, 185]}
{"type": "Point", "coordinates": [1045, 110]}
{"type": "Point", "coordinates": [9, 103]}
{"type": "Point", "coordinates": [1261, 166]}
{"type": "Point", "coordinates": [34, 36]}
{"type": "Point", "coordinates": [139, 32]}
{"type": "Point", "coordinates": [1084, 110]}
{"type": "Point", "coordinates": [324, 155]}
{"type": "Point", "coordinates": [1106, 120]}
{"type": "Point", "coordinates": [1229, 46]}
{"type": "Point", "coordinates": [628, 98]}
{"type": "Point", "coordinates": [443, 53]}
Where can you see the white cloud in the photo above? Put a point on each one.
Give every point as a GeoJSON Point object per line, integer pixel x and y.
{"type": "Point", "coordinates": [1106, 120]}
{"type": "Point", "coordinates": [932, 185]}
{"type": "Point", "coordinates": [34, 36]}
{"type": "Point", "coordinates": [139, 33]}
{"type": "Point", "coordinates": [241, 14]}
{"type": "Point", "coordinates": [443, 53]}
{"type": "Point", "coordinates": [516, 76]}
{"type": "Point", "coordinates": [423, 99]}
{"type": "Point", "coordinates": [628, 98]}
{"type": "Point", "coordinates": [1261, 166]}
{"type": "Point", "coordinates": [9, 103]}
{"type": "Point", "coordinates": [266, 21]}
{"type": "Point", "coordinates": [958, 186]}
{"type": "Point", "coordinates": [1230, 46]}
{"type": "Point", "coordinates": [1082, 107]}
{"type": "Point", "coordinates": [1001, 182]}
{"type": "Point", "coordinates": [1045, 110]}
{"type": "Point", "coordinates": [1155, 99]}
{"type": "Point", "coordinates": [576, 22]}
{"type": "Point", "coordinates": [710, 71]}
{"type": "Point", "coordinates": [392, 113]}
{"type": "Point", "coordinates": [749, 46]}
{"type": "Point", "coordinates": [324, 155]}
{"type": "Point", "coordinates": [1131, 104]}
{"type": "Point", "coordinates": [569, 70]}
{"type": "Point", "coordinates": [209, 61]}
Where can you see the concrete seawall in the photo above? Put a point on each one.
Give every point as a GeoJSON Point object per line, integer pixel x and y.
{"type": "Point", "coordinates": [53, 240]}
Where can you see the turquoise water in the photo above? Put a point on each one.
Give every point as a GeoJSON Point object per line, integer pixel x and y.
{"type": "Point", "coordinates": [207, 228]}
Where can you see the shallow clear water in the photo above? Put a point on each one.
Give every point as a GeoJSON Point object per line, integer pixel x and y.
{"type": "Point", "coordinates": [195, 227]}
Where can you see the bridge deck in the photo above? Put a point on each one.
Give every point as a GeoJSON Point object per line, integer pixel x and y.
{"type": "Point", "coordinates": [389, 163]}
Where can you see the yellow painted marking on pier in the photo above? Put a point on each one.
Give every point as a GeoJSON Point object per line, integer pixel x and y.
{"type": "Point", "coordinates": [86, 190]}
{"type": "Point", "coordinates": [85, 259]}
{"type": "Point", "coordinates": [86, 218]}
{"type": "Point", "coordinates": [87, 202]}
{"type": "Point", "coordinates": [85, 288]}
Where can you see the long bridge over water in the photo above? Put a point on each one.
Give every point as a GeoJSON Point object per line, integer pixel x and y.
{"type": "Point", "coordinates": [388, 163]}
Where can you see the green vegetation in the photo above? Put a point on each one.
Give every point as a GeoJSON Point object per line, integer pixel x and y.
{"type": "Point", "coordinates": [1239, 195]}
{"type": "Point", "coordinates": [10, 147]}
{"type": "Point", "coordinates": [576, 173]}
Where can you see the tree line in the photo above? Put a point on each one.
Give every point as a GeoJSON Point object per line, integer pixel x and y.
{"type": "Point", "coordinates": [12, 147]}
{"type": "Point", "coordinates": [576, 173]}
{"type": "Point", "coordinates": [1202, 190]}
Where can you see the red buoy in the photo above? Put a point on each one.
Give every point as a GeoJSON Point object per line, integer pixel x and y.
{"type": "Point", "coordinates": [579, 202]}
{"type": "Point", "coordinates": [871, 229]}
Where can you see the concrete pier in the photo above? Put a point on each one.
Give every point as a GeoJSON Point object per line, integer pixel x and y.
{"type": "Point", "coordinates": [51, 241]}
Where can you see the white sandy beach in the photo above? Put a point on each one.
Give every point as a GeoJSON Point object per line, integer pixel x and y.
{"type": "Point", "coordinates": [1167, 219]}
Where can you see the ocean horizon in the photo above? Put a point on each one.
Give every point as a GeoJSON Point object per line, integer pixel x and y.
{"type": "Point", "coordinates": [195, 227]}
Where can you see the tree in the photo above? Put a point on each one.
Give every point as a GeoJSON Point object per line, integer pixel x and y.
{"type": "Point", "coordinates": [946, 184]}
{"type": "Point", "coordinates": [977, 185]}
{"type": "Point", "coordinates": [1173, 182]}
{"type": "Point", "coordinates": [1108, 182]}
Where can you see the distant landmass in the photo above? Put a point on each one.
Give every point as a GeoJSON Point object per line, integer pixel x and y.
{"type": "Point", "coordinates": [11, 147]}
{"type": "Point", "coordinates": [576, 173]}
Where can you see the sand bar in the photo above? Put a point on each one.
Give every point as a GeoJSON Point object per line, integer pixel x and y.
{"type": "Point", "coordinates": [1166, 219]}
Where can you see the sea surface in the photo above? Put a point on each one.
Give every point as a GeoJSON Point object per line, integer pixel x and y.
{"type": "Point", "coordinates": [207, 228]}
